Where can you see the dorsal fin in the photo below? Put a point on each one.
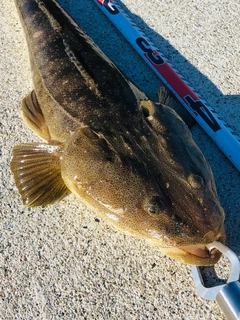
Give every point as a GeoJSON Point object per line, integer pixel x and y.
{"type": "Point", "coordinates": [167, 98]}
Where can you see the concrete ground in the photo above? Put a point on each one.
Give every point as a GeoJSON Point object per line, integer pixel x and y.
{"type": "Point", "coordinates": [62, 261]}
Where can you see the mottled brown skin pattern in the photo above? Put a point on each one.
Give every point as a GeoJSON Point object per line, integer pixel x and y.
{"type": "Point", "coordinates": [132, 161]}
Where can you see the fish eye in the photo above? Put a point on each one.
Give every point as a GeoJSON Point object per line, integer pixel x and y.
{"type": "Point", "coordinates": [155, 205]}
{"type": "Point", "coordinates": [145, 111]}
{"type": "Point", "coordinates": [195, 181]}
{"type": "Point", "coordinates": [148, 109]}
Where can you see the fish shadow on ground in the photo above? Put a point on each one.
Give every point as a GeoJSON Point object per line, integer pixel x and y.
{"type": "Point", "coordinates": [103, 33]}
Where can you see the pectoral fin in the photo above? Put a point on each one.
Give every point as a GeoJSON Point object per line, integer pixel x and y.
{"type": "Point", "coordinates": [37, 172]}
{"type": "Point", "coordinates": [166, 98]}
{"type": "Point", "coordinates": [33, 116]}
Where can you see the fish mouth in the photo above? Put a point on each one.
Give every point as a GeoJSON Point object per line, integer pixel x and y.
{"type": "Point", "coordinates": [202, 251]}
{"type": "Point", "coordinates": [197, 254]}
{"type": "Point", "coordinates": [199, 250]}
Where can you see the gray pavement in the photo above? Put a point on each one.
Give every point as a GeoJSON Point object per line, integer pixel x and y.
{"type": "Point", "coordinates": [62, 261]}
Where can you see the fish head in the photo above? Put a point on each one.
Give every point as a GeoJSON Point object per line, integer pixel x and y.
{"type": "Point", "coordinates": [163, 192]}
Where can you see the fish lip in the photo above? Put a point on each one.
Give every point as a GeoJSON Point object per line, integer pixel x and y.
{"type": "Point", "coordinates": [199, 250]}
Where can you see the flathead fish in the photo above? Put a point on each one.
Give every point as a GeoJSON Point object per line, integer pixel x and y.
{"type": "Point", "coordinates": [131, 160]}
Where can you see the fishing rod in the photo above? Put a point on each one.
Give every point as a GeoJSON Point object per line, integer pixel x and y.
{"type": "Point", "coordinates": [207, 118]}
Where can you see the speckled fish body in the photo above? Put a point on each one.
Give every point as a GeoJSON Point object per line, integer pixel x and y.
{"type": "Point", "coordinates": [131, 160]}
